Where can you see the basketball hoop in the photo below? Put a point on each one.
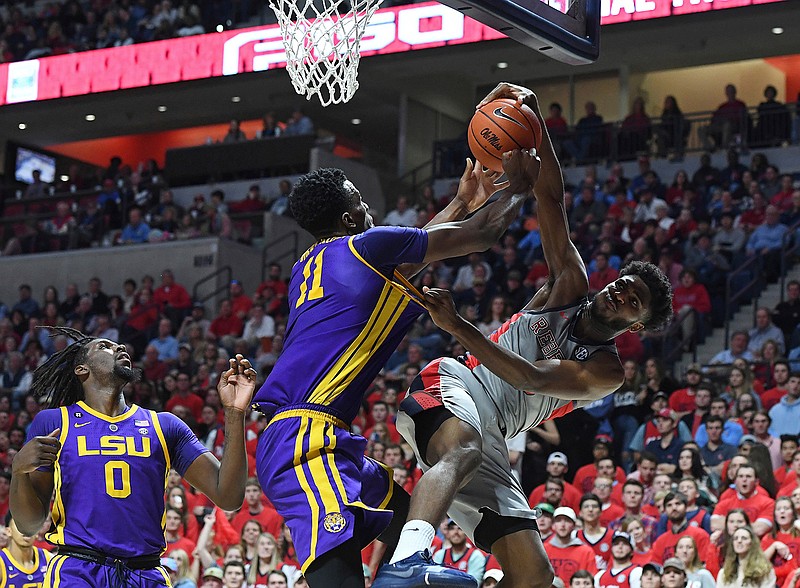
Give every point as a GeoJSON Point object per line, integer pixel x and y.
{"type": "Point", "coordinates": [322, 44]}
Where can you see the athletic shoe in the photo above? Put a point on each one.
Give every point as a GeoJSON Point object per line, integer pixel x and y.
{"type": "Point", "coordinates": [419, 571]}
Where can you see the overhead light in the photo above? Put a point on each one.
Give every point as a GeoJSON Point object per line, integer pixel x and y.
{"type": "Point", "coordinates": [236, 99]}
{"type": "Point", "coordinates": [502, 65]}
{"type": "Point", "coordinates": [777, 30]}
{"type": "Point", "coordinates": [90, 117]}
{"type": "Point", "coordinates": [64, 178]}
{"type": "Point", "coordinates": [356, 121]}
{"type": "Point", "coordinates": [22, 126]}
{"type": "Point", "coordinates": [220, 28]}
{"type": "Point", "coordinates": [162, 108]}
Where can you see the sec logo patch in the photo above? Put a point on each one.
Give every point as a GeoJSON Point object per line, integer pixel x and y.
{"type": "Point", "coordinates": [334, 522]}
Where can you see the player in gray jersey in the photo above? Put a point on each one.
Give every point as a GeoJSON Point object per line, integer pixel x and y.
{"type": "Point", "coordinates": [555, 355]}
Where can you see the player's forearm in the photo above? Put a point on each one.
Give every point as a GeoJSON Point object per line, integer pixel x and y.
{"type": "Point", "coordinates": [28, 511]}
{"type": "Point", "coordinates": [550, 184]}
{"type": "Point", "coordinates": [233, 465]}
{"type": "Point", "coordinates": [505, 364]}
{"type": "Point", "coordinates": [560, 379]}
{"type": "Point", "coordinates": [454, 211]}
{"type": "Point", "coordinates": [490, 222]}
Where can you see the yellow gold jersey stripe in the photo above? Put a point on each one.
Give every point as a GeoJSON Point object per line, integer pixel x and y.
{"type": "Point", "coordinates": [356, 357]}
{"type": "Point", "coordinates": [406, 289]}
{"type": "Point", "coordinates": [167, 461]}
{"type": "Point", "coordinates": [57, 513]}
{"type": "Point", "coordinates": [312, 499]}
{"type": "Point", "coordinates": [321, 388]}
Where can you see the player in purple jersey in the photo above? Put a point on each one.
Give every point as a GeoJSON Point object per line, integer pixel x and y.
{"type": "Point", "coordinates": [554, 355]}
{"type": "Point", "coordinates": [106, 465]}
{"type": "Point", "coordinates": [350, 305]}
{"type": "Point", "coordinates": [23, 565]}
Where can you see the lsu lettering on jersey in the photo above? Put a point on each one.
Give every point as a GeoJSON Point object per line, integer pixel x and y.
{"type": "Point", "coordinates": [536, 335]}
{"type": "Point", "coordinates": [110, 476]}
{"type": "Point", "coordinates": [346, 317]}
{"type": "Point", "coordinates": [15, 575]}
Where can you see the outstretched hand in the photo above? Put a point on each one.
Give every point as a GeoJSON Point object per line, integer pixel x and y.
{"type": "Point", "coordinates": [522, 168]}
{"type": "Point", "coordinates": [237, 384]}
{"type": "Point", "coordinates": [477, 185]}
{"type": "Point", "coordinates": [441, 307]}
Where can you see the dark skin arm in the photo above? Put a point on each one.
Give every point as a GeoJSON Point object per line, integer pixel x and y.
{"type": "Point", "coordinates": [475, 187]}
{"type": "Point", "coordinates": [485, 227]}
{"type": "Point", "coordinates": [31, 489]}
{"type": "Point", "coordinates": [568, 281]}
{"type": "Point", "coordinates": [565, 379]}
{"type": "Point", "coordinates": [223, 481]}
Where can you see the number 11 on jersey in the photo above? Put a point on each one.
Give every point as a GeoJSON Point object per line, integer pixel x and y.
{"type": "Point", "coordinates": [316, 290]}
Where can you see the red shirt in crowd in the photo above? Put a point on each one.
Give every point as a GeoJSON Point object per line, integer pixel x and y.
{"type": "Point", "coordinates": [758, 506]}
{"type": "Point", "coordinates": [227, 325]}
{"type": "Point", "coordinates": [664, 546]}
{"type": "Point", "coordinates": [268, 518]}
{"type": "Point", "coordinates": [191, 401]}
{"type": "Point", "coordinates": [695, 296]}
{"type": "Point", "coordinates": [571, 498]}
{"type": "Point", "coordinates": [682, 400]}
{"type": "Point", "coordinates": [568, 560]}
{"type": "Point", "coordinates": [175, 296]}
{"type": "Point", "coordinates": [584, 477]}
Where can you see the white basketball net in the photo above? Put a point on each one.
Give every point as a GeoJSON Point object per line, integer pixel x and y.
{"type": "Point", "coordinates": [322, 44]}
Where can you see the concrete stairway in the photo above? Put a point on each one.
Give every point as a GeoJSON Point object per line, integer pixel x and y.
{"type": "Point", "coordinates": [742, 320]}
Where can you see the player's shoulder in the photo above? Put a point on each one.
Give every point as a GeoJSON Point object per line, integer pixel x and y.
{"type": "Point", "coordinates": [46, 421]}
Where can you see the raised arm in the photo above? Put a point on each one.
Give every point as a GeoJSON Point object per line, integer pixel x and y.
{"type": "Point", "coordinates": [485, 227]}
{"type": "Point", "coordinates": [564, 379]}
{"type": "Point", "coordinates": [474, 190]}
{"type": "Point", "coordinates": [223, 481]}
{"type": "Point", "coordinates": [561, 255]}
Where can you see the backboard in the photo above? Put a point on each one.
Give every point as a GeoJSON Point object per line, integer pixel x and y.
{"type": "Point", "coordinates": [571, 36]}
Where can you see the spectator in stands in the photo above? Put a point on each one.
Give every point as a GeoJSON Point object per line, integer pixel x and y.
{"type": "Point", "coordinates": [683, 400]}
{"type": "Point", "coordinates": [166, 344]}
{"type": "Point", "coordinates": [592, 531]}
{"type": "Point", "coordinates": [729, 120]}
{"type": "Point", "coordinates": [588, 141]}
{"type": "Point", "coordinates": [632, 501]}
{"type": "Point", "coordinates": [174, 299]}
{"type": "Point", "coordinates": [235, 133]}
{"type": "Point", "coordinates": [765, 330]}
{"type": "Point", "coordinates": [240, 302]}
{"type": "Point", "coordinates": [692, 305]}
{"type": "Point", "coordinates": [26, 303]}
{"type": "Point", "coordinates": [737, 349]}
{"type": "Point", "coordinates": [745, 563]}
{"type": "Point", "coordinates": [635, 131]}
{"type": "Point", "coordinates": [770, 184]}
{"type": "Point", "coordinates": [734, 173]}
{"type": "Point", "coordinates": [588, 212]}
{"type": "Point", "coordinates": [402, 215]}
{"type": "Point", "coordinates": [184, 396]}
{"type": "Point", "coordinates": [556, 127]}
{"type": "Point", "coordinates": [756, 503]}
{"type": "Point", "coordinates": [567, 553]}
{"type": "Point", "coordinates": [667, 447]}
{"type": "Point", "coordinates": [783, 198]}
{"type": "Point", "coordinates": [298, 124]}
{"type": "Point", "coordinates": [273, 281]}
{"type": "Point", "coordinates": [557, 467]}
{"type": "Point", "coordinates": [259, 330]}
{"type": "Point", "coordinates": [728, 240]}
{"type": "Point", "coordinates": [37, 188]}
{"type": "Point", "coordinates": [786, 413]}
{"type": "Point", "coordinates": [227, 325]}
{"type": "Point", "coordinates": [136, 231]}
{"type": "Point", "coordinates": [255, 510]}
{"type": "Point", "coordinates": [675, 505]}
{"type": "Point", "coordinates": [715, 451]}
{"type": "Point", "coordinates": [16, 378]}
{"type": "Point", "coordinates": [649, 203]}
{"type": "Point", "coordinates": [461, 554]}
{"type": "Point", "coordinates": [475, 267]}
{"type": "Point", "coordinates": [672, 131]}
{"type": "Point", "coordinates": [774, 120]}
{"type": "Point", "coordinates": [766, 241]}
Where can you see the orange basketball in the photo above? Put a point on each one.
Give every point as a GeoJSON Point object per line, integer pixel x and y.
{"type": "Point", "coordinates": [500, 126]}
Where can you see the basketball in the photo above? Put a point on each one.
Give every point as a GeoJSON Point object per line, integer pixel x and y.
{"type": "Point", "coordinates": [499, 126]}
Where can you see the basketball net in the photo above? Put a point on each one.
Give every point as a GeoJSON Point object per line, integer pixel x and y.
{"type": "Point", "coordinates": [322, 40]}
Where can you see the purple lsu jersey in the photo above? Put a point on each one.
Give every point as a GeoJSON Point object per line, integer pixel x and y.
{"type": "Point", "coordinates": [110, 476]}
{"type": "Point", "coordinates": [346, 317]}
{"type": "Point", "coordinates": [15, 575]}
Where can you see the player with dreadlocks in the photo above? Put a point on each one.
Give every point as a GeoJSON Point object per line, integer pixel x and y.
{"type": "Point", "coordinates": [108, 464]}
